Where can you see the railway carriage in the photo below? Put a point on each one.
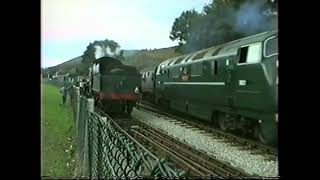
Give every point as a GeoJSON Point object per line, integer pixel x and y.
{"type": "Point", "coordinates": [234, 85]}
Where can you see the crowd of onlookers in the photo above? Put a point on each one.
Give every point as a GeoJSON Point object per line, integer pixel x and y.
{"type": "Point", "coordinates": [67, 86]}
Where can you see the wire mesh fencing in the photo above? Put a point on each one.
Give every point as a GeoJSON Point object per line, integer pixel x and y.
{"type": "Point", "coordinates": [112, 154]}
{"type": "Point", "coordinates": [102, 151]}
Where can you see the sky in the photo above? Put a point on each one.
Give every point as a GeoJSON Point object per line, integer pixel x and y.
{"type": "Point", "coordinates": [68, 26]}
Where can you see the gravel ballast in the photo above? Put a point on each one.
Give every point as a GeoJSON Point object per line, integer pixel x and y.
{"type": "Point", "coordinates": [251, 163]}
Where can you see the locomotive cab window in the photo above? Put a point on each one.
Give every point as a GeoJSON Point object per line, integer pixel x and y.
{"type": "Point", "coordinates": [216, 51]}
{"type": "Point", "coordinates": [160, 70]}
{"type": "Point", "coordinates": [186, 60]}
{"type": "Point", "coordinates": [171, 63]}
{"type": "Point", "coordinates": [271, 47]}
{"type": "Point", "coordinates": [175, 72]}
{"type": "Point", "coordinates": [179, 60]}
{"type": "Point", "coordinates": [187, 69]}
{"type": "Point", "coordinates": [199, 56]}
{"type": "Point", "coordinates": [250, 54]}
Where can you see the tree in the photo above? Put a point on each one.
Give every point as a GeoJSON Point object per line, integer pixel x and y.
{"type": "Point", "coordinates": [182, 26]}
{"type": "Point", "coordinates": [222, 21]}
{"type": "Point", "coordinates": [88, 54]}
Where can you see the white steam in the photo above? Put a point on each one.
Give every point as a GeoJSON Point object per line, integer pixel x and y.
{"type": "Point", "coordinates": [102, 51]}
{"type": "Point", "coordinates": [117, 51]}
{"type": "Point", "coordinates": [99, 52]}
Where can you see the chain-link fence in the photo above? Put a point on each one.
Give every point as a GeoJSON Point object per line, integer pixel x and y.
{"type": "Point", "coordinates": [112, 154]}
{"type": "Point", "coordinates": [103, 151]}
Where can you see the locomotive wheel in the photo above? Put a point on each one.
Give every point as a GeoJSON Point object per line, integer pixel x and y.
{"type": "Point", "coordinates": [222, 121]}
{"type": "Point", "coordinates": [261, 136]}
{"type": "Point", "coordinates": [156, 100]}
{"type": "Point", "coordinates": [129, 109]}
{"type": "Point", "coordinates": [214, 118]}
{"type": "Point", "coordinates": [123, 108]}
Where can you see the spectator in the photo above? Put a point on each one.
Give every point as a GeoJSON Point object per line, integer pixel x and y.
{"type": "Point", "coordinates": [63, 92]}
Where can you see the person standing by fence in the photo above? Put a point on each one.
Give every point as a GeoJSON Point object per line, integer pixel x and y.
{"type": "Point", "coordinates": [64, 92]}
{"type": "Point", "coordinates": [63, 95]}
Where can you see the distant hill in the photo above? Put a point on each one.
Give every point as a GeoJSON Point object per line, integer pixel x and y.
{"type": "Point", "coordinates": [66, 67]}
{"type": "Point", "coordinates": [142, 59]}
{"type": "Point", "coordinates": [147, 59]}
{"type": "Point", "coordinates": [127, 53]}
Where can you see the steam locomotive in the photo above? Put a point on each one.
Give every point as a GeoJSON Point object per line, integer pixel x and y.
{"type": "Point", "coordinates": [233, 85]}
{"type": "Point", "coordinates": [113, 84]}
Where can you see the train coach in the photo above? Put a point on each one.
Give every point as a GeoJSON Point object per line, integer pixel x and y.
{"type": "Point", "coordinates": [233, 85]}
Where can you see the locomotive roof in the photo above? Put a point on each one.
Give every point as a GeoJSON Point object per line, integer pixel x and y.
{"type": "Point", "coordinates": [107, 60]}
{"type": "Point", "coordinates": [223, 49]}
{"type": "Point", "coordinates": [113, 65]}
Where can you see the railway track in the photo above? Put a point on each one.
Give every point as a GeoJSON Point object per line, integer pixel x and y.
{"type": "Point", "coordinates": [195, 163]}
{"type": "Point", "coordinates": [247, 144]}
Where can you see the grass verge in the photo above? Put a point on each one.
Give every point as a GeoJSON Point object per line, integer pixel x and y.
{"type": "Point", "coordinates": [57, 132]}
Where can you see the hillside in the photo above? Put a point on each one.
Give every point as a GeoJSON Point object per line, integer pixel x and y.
{"type": "Point", "coordinates": [66, 67]}
{"type": "Point", "coordinates": [127, 53]}
{"type": "Point", "coordinates": [146, 59]}
{"type": "Point", "coordinates": [142, 59]}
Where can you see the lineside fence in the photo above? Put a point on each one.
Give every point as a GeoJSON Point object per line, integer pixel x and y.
{"type": "Point", "coordinates": [56, 82]}
{"type": "Point", "coordinates": [103, 150]}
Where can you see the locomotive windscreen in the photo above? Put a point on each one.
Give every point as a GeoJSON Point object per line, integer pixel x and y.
{"type": "Point", "coordinates": [271, 47]}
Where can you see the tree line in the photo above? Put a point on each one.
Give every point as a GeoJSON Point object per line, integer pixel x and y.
{"type": "Point", "coordinates": [221, 21]}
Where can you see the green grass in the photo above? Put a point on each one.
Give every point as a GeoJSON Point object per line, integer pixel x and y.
{"type": "Point", "coordinates": [57, 126]}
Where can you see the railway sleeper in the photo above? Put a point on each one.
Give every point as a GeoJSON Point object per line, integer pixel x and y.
{"type": "Point", "coordinates": [188, 152]}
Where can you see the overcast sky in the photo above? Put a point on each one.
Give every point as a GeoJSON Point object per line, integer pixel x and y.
{"type": "Point", "coordinates": [68, 26]}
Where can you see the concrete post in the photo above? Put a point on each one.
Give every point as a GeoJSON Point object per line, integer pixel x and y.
{"type": "Point", "coordinates": [77, 113]}
{"type": "Point", "coordinates": [78, 104]}
{"type": "Point", "coordinates": [90, 105]}
{"type": "Point", "coordinates": [85, 167]}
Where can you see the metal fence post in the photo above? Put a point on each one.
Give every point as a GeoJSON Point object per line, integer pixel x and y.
{"type": "Point", "coordinates": [77, 113]}
{"type": "Point", "coordinates": [100, 150]}
{"type": "Point", "coordinates": [78, 103]}
{"type": "Point", "coordinates": [90, 108]}
{"type": "Point", "coordinates": [107, 153]}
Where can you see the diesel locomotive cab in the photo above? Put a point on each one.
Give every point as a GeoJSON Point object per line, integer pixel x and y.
{"type": "Point", "coordinates": [233, 85]}
{"type": "Point", "coordinates": [271, 52]}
